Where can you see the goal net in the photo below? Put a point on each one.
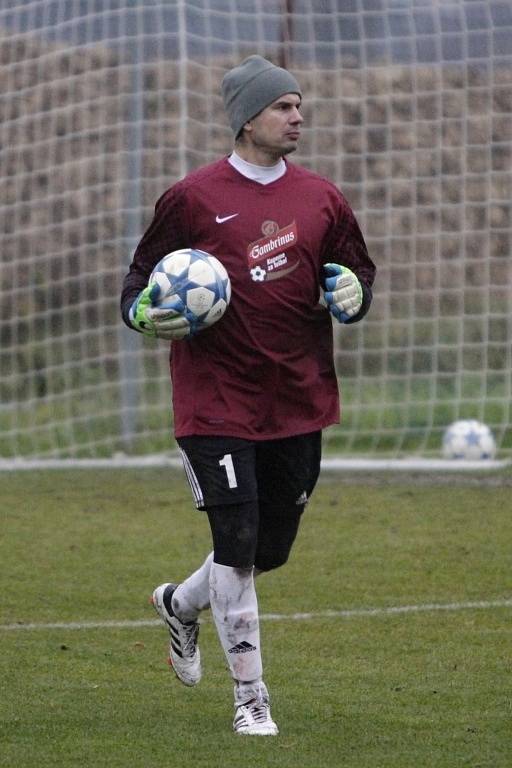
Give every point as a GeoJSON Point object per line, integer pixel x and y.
{"type": "Point", "coordinates": [408, 109]}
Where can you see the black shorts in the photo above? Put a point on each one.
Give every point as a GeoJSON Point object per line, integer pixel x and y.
{"type": "Point", "coordinates": [230, 470]}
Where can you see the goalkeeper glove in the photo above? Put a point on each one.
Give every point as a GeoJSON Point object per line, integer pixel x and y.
{"type": "Point", "coordinates": [343, 292]}
{"type": "Point", "coordinates": [169, 323]}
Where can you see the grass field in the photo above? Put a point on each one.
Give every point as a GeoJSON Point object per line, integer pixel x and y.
{"type": "Point", "coordinates": [83, 661]}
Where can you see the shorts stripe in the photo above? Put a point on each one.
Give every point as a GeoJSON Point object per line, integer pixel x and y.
{"type": "Point", "coordinates": [192, 479]}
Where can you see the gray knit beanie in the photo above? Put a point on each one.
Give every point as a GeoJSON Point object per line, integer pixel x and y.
{"type": "Point", "coordinates": [252, 86]}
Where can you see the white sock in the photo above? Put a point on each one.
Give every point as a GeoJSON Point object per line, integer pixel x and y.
{"type": "Point", "coordinates": [193, 595]}
{"type": "Point", "coordinates": [235, 612]}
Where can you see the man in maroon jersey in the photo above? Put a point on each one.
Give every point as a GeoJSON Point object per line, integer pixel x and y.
{"type": "Point", "coordinates": [252, 393]}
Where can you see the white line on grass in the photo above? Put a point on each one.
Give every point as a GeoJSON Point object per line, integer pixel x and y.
{"type": "Point", "coordinates": [329, 614]}
{"type": "Point", "coordinates": [119, 461]}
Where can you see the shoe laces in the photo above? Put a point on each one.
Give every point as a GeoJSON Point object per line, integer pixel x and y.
{"type": "Point", "coordinates": [259, 709]}
{"type": "Point", "coordinates": [188, 637]}
{"type": "Point", "coordinates": [257, 703]}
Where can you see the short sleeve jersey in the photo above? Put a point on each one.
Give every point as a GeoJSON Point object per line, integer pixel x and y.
{"type": "Point", "coordinates": [265, 370]}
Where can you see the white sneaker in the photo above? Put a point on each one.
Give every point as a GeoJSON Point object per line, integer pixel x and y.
{"type": "Point", "coordinates": [184, 656]}
{"type": "Point", "coordinates": [252, 711]}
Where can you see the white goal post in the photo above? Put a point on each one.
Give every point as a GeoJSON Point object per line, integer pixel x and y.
{"type": "Point", "coordinates": [408, 109]}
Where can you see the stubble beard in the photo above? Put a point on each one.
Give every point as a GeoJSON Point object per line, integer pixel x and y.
{"type": "Point", "coordinates": [283, 151]}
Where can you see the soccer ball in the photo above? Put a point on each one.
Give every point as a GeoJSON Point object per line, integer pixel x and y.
{"type": "Point", "coordinates": [468, 439]}
{"type": "Point", "coordinates": [195, 284]}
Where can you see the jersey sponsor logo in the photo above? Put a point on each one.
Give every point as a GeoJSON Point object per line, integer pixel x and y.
{"type": "Point", "coordinates": [222, 219]}
{"type": "Point", "coordinates": [267, 258]}
{"type": "Point", "coordinates": [272, 244]}
{"type": "Point", "coordinates": [260, 275]}
{"type": "Point", "coordinates": [269, 228]}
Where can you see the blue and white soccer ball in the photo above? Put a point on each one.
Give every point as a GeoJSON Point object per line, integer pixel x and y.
{"type": "Point", "coordinates": [195, 284]}
{"type": "Point", "coordinates": [469, 440]}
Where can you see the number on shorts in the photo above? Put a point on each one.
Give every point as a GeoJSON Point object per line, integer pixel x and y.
{"type": "Point", "coordinates": [227, 463]}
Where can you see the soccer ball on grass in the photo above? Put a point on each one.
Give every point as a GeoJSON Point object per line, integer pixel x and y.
{"type": "Point", "coordinates": [195, 284]}
{"type": "Point", "coordinates": [469, 440]}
